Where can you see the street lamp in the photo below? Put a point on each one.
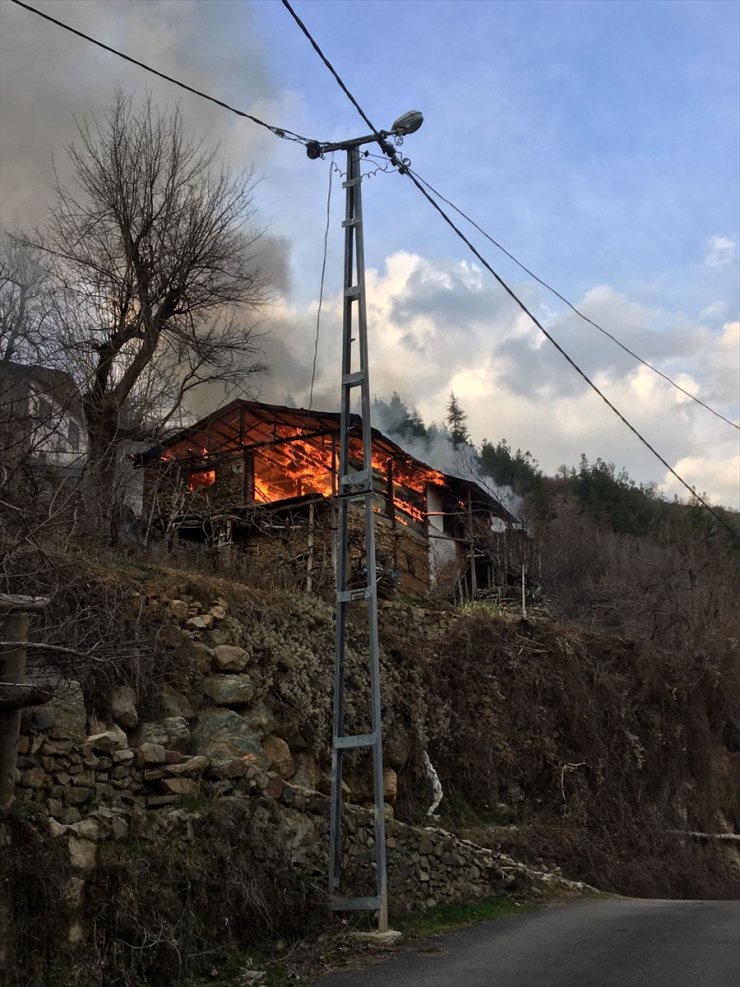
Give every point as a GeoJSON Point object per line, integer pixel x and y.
{"type": "Point", "coordinates": [353, 488]}
{"type": "Point", "coordinates": [407, 123]}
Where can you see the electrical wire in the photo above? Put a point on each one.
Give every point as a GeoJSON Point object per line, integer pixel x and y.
{"type": "Point", "coordinates": [331, 68]}
{"type": "Point", "coordinates": [321, 288]}
{"type": "Point", "coordinates": [476, 253]}
{"type": "Point", "coordinates": [571, 306]}
{"type": "Point", "coordinates": [278, 131]}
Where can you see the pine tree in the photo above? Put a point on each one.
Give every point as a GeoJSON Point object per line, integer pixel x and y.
{"type": "Point", "coordinates": [455, 421]}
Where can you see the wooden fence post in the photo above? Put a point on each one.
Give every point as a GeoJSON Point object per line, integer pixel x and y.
{"type": "Point", "coordinates": [15, 693]}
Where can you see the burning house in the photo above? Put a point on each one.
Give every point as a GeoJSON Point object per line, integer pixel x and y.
{"type": "Point", "coordinates": [260, 480]}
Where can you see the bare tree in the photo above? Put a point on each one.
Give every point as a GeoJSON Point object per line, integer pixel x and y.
{"type": "Point", "coordinates": [24, 304]}
{"type": "Point", "coordinates": [151, 258]}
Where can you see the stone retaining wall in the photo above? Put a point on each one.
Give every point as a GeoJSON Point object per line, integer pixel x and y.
{"type": "Point", "coordinates": [218, 745]}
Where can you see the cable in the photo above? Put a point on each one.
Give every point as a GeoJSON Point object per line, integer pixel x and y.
{"type": "Point", "coordinates": [321, 288]}
{"type": "Point", "coordinates": [405, 170]}
{"type": "Point", "coordinates": [569, 359]}
{"type": "Point", "coordinates": [571, 306]}
{"type": "Point", "coordinates": [278, 131]}
{"type": "Point", "coordinates": [331, 68]}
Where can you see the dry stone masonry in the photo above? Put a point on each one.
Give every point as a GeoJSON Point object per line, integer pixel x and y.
{"type": "Point", "coordinates": [217, 741]}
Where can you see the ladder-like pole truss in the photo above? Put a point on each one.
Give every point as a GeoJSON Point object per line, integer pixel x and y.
{"type": "Point", "coordinates": [356, 487]}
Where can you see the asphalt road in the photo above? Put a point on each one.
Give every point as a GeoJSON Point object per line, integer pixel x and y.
{"type": "Point", "coordinates": [596, 943]}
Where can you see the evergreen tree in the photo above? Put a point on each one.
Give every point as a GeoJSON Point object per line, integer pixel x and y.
{"type": "Point", "coordinates": [455, 421]}
{"type": "Point", "coordinates": [613, 497]}
{"type": "Point", "coordinates": [518, 470]}
{"type": "Point", "coordinates": [395, 418]}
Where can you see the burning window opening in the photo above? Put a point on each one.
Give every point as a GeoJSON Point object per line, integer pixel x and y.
{"type": "Point", "coordinates": [201, 478]}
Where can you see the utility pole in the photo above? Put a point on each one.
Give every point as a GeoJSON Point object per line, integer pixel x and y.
{"type": "Point", "coordinates": [357, 487]}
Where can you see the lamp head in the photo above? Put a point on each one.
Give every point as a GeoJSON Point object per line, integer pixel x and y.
{"type": "Point", "coordinates": [408, 123]}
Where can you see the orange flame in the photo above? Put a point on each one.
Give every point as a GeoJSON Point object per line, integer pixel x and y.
{"type": "Point", "coordinates": [201, 478]}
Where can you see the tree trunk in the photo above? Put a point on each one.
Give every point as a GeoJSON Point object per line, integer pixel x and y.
{"type": "Point", "coordinates": [101, 474]}
{"type": "Point", "coordinates": [14, 627]}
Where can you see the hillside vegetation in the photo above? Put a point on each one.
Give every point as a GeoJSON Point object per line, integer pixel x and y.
{"type": "Point", "coordinates": [586, 737]}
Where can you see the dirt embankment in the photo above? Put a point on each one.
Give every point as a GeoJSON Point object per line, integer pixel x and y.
{"type": "Point", "coordinates": [588, 749]}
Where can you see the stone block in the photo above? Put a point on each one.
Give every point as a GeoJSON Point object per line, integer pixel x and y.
{"type": "Point", "coordinates": [150, 733]}
{"type": "Point", "coordinates": [179, 786]}
{"type": "Point", "coordinates": [202, 656]}
{"type": "Point", "coordinates": [192, 766]}
{"type": "Point", "coordinates": [229, 690]}
{"type": "Point", "coordinates": [260, 718]}
{"type": "Point", "coordinates": [33, 778]}
{"type": "Point", "coordinates": [123, 707]}
{"type": "Point", "coordinates": [106, 742]}
{"type": "Point", "coordinates": [86, 829]}
{"type": "Point", "coordinates": [161, 801]}
{"type": "Point", "coordinates": [67, 710]}
{"type": "Point", "coordinates": [198, 623]}
{"type": "Point", "coordinates": [279, 757]}
{"type": "Point", "coordinates": [83, 854]}
{"type": "Point", "coordinates": [390, 785]}
{"type": "Point", "coordinates": [177, 733]}
{"type": "Point", "coordinates": [174, 703]}
{"type": "Point", "coordinates": [229, 658]}
{"type": "Point", "coordinates": [154, 774]}
{"type": "Point", "coordinates": [149, 754]}
{"type": "Point", "coordinates": [274, 787]}
{"type": "Point", "coordinates": [222, 733]}
{"type": "Point", "coordinates": [306, 773]}
{"type": "Point", "coordinates": [79, 796]}
{"type": "Point", "coordinates": [179, 610]}
{"type": "Point", "coordinates": [227, 768]}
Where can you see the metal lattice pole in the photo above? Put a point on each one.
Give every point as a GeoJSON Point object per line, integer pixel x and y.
{"type": "Point", "coordinates": [356, 487]}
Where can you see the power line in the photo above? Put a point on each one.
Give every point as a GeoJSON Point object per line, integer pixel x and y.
{"type": "Point", "coordinates": [278, 131]}
{"type": "Point", "coordinates": [405, 170]}
{"type": "Point", "coordinates": [321, 287]}
{"type": "Point", "coordinates": [331, 68]}
{"type": "Point", "coordinates": [571, 306]}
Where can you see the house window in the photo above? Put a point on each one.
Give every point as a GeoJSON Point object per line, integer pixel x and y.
{"type": "Point", "coordinates": [201, 478]}
{"type": "Point", "coordinates": [44, 410]}
{"type": "Point", "coordinates": [73, 436]}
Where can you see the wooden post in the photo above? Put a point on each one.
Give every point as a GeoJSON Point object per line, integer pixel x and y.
{"type": "Point", "coordinates": [524, 594]}
{"type": "Point", "coordinates": [14, 614]}
{"type": "Point", "coordinates": [471, 533]}
{"type": "Point", "coordinates": [309, 557]}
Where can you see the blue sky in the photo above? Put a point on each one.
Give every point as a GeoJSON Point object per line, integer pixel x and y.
{"type": "Point", "coordinates": [598, 141]}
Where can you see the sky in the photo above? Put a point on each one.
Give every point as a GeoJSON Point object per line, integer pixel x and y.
{"type": "Point", "coordinates": [598, 142]}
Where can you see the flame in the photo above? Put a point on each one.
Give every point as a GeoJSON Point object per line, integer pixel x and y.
{"type": "Point", "coordinates": [409, 480]}
{"type": "Point", "coordinates": [303, 468]}
{"type": "Point", "coordinates": [298, 466]}
{"type": "Point", "coordinates": [201, 478]}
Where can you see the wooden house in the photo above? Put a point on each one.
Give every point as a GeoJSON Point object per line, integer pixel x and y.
{"type": "Point", "coordinates": [260, 480]}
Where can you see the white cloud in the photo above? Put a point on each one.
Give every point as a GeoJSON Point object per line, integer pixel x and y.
{"type": "Point", "coordinates": [716, 477]}
{"type": "Point", "coordinates": [721, 251]}
{"type": "Point", "coordinates": [436, 326]}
